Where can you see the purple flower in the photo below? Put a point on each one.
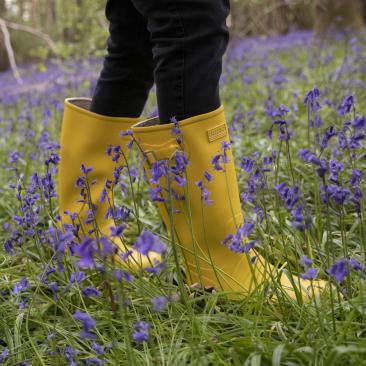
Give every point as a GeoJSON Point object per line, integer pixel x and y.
{"type": "Point", "coordinates": [117, 231]}
{"type": "Point", "coordinates": [148, 242]}
{"type": "Point", "coordinates": [335, 168]}
{"type": "Point", "coordinates": [216, 162]}
{"type": "Point", "coordinates": [359, 122]}
{"type": "Point", "coordinates": [120, 275]}
{"type": "Point", "coordinates": [86, 170]}
{"type": "Point", "coordinates": [159, 303]}
{"type": "Point", "coordinates": [181, 162]}
{"type": "Point", "coordinates": [309, 274]}
{"type": "Point", "coordinates": [88, 324]}
{"type": "Point", "coordinates": [156, 194]}
{"type": "Point", "coordinates": [355, 264]}
{"type": "Point", "coordinates": [338, 194]}
{"type": "Point", "coordinates": [238, 243]}
{"type": "Point", "coordinates": [339, 270]}
{"type": "Point", "coordinates": [86, 251]}
{"type": "Point", "coordinates": [305, 261]}
{"type": "Point", "coordinates": [311, 99]}
{"type": "Point", "coordinates": [77, 277]}
{"type": "Point", "coordinates": [126, 133]}
{"type": "Point", "coordinates": [90, 291]}
{"type": "Point", "coordinates": [4, 354]}
{"type": "Point", "coordinates": [156, 269]}
{"type": "Point", "coordinates": [181, 181]}
{"type": "Point", "coordinates": [205, 194]}
{"type": "Point", "coordinates": [290, 196]}
{"type": "Point", "coordinates": [140, 332]}
{"type": "Point", "coordinates": [247, 164]}
{"type": "Point", "coordinates": [22, 285]}
{"type": "Point", "coordinates": [329, 133]}
{"type": "Point", "coordinates": [98, 349]}
{"type": "Point", "coordinates": [71, 354]}
{"type": "Point", "coordinates": [298, 220]}
{"type": "Point", "coordinates": [208, 176]}
{"type": "Point", "coordinates": [159, 169]}
{"type": "Point", "coordinates": [346, 105]}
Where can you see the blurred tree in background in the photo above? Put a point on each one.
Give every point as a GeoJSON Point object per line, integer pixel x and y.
{"type": "Point", "coordinates": [78, 28]}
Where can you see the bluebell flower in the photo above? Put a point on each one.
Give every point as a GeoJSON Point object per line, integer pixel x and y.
{"type": "Point", "coordinates": [208, 176]}
{"type": "Point", "coordinates": [117, 231]}
{"type": "Point", "coordinates": [338, 194]}
{"type": "Point", "coordinates": [309, 274]}
{"type": "Point", "coordinates": [157, 268]}
{"type": "Point", "coordinates": [86, 251]}
{"type": "Point", "coordinates": [86, 170]}
{"type": "Point", "coordinates": [216, 162]}
{"type": "Point", "coordinates": [335, 168]}
{"type": "Point", "coordinates": [205, 194]}
{"type": "Point", "coordinates": [339, 270]}
{"type": "Point", "coordinates": [159, 303]}
{"type": "Point", "coordinates": [90, 291]}
{"type": "Point", "coordinates": [148, 242]}
{"type": "Point", "coordinates": [20, 286]}
{"type": "Point", "coordinates": [159, 169]}
{"type": "Point", "coordinates": [77, 277]}
{"type": "Point", "coordinates": [238, 242]}
{"type": "Point", "coordinates": [88, 324]}
{"type": "Point", "coordinates": [120, 275]}
{"type": "Point", "coordinates": [346, 105]}
{"type": "Point", "coordinates": [156, 194]}
{"type": "Point", "coordinates": [312, 99]}
{"type": "Point", "coordinates": [330, 132]}
{"type": "Point", "coordinates": [290, 196]}
{"type": "Point", "coordinates": [181, 162]}
{"type": "Point", "coordinates": [247, 164]}
{"type": "Point", "coordinates": [140, 332]}
{"type": "Point", "coordinates": [181, 181]}
{"type": "Point", "coordinates": [359, 123]}
{"type": "Point", "coordinates": [71, 354]}
{"type": "Point", "coordinates": [4, 354]}
{"type": "Point", "coordinates": [355, 264]}
{"type": "Point", "coordinates": [305, 261]}
{"type": "Point", "coordinates": [98, 348]}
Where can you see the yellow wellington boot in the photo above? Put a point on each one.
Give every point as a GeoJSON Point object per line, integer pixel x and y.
{"type": "Point", "coordinates": [85, 138]}
{"type": "Point", "coordinates": [206, 206]}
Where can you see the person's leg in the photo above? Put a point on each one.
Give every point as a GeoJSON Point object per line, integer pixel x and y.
{"type": "Point", "coordinates": [189, 38]}
{"type": "Point", "coordinates": [127, 74]}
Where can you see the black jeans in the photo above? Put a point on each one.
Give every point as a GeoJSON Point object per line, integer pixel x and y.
{"type": "Point", "coordinates": [179, 44]}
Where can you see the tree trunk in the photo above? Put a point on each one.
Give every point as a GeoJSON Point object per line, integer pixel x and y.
{"type": "Point", "coordinates": [4, 61]}
{"type": "Point", "coordinates": [341, 14]}
{"type": "Point", "coordinates": [280, 18]}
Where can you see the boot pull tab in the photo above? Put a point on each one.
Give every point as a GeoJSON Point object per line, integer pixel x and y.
{"type": "Point", "coordinates": [164, 152]}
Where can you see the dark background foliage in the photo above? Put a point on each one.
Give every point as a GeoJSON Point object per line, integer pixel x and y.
{"type": "Point", "coordinates": [39, 29]}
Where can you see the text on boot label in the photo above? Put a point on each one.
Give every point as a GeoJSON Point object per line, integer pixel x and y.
{"type": "Point", "coordinates": [217, 133]}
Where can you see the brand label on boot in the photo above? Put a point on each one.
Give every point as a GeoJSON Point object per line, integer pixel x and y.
{"type": "Point", "coordinates": [217, 133]}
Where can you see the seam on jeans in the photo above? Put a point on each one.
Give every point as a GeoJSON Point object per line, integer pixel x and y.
{"type": "Point", "coordinates": [182, 76]}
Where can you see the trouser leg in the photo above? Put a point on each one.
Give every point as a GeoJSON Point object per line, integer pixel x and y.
{"type": "Point", "coordinates": [189, 38]}
{"type": "Point", "coordinates": [127, 74]}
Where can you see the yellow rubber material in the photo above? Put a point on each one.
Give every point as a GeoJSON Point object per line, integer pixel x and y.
{"type": "Point", "coordinates": [85, 138]}
{"type": "Point", "coordinates": [200, 228]}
